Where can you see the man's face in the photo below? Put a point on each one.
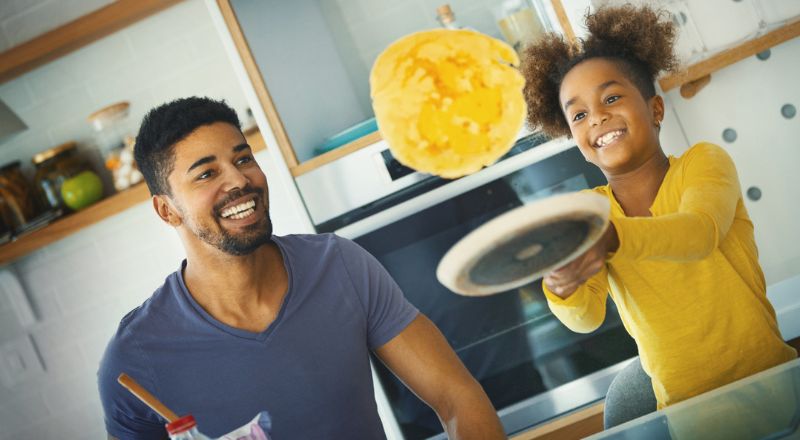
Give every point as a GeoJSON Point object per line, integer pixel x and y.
{"type": "Point", "coordinates": [613, 125]}
{"type": "Point", "coordinates": [218, 190]}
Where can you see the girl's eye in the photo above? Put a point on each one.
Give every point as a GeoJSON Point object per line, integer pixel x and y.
{"type": "Point", "coordinates": [578, 116]}
{"type": "Point", "coordinates": [612, 99]}
{"type": "Point", "coordinates": [244, 160]}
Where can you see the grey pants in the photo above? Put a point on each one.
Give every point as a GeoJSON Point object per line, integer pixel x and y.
{"type": "Point", "coordinates": [629, 396]}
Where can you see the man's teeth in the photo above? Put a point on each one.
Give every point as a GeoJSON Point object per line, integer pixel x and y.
{"type": "Point", "coordinates": [240, 211]}
{"type": "Point", "coordinates": [608, 138]}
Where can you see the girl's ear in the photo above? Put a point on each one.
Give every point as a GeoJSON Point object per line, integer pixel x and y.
{"type": "Point", "coordinates": [166, 210]}
{"type": "Point", "coordinates": [657, 109]}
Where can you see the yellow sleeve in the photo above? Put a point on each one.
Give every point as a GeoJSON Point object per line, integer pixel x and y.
{"type": "Point", "coordinates": [709, 195]}
{"type": "Point", "coordinates": [584, 310]}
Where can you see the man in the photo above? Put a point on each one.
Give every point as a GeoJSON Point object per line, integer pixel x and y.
{"type": "Point", "coordinates": [255, 322]}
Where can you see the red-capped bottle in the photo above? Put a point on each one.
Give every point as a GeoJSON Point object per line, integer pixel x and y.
{"type": "Point", "coordinates": [185, 428]}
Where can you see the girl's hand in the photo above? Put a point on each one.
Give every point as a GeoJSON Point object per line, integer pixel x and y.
{"type": "Point", "coordinates": [565, 280]}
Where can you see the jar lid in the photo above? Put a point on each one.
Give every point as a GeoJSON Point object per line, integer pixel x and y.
{"type": "Point", "coordinates": [55, 151]}
{"type": "Point", "coordinates": [108, 115]}
{"type": "Point", "coordinates": [180, 425]}
{"type": "Point", "coordinates": [444, 10]}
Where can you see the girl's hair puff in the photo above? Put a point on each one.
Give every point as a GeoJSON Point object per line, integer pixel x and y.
{"type": "Point", "coordinates": [638, 39]}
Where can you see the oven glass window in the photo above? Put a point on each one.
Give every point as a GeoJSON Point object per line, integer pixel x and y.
{"type": "Point", "coordinates": [510, 342]}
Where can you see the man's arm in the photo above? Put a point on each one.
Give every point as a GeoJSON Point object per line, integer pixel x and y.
{"type": "Point", "coordinates": [421, 358]}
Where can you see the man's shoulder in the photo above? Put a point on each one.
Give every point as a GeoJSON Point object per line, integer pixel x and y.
{"type": "Point", "coordinates": [148, 317]}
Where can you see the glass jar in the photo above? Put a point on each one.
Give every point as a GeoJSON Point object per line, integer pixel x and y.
{"type": "Point", "coordinates": [7, 217]}
{"type": "Point", "coordinates": [18, 195]}
{"type": "Point", "coordinates": [113, 140]}
{"type": "Point", "coordinates": [521, 21]}
{"type": "Point", "coordinates": [65, 180]}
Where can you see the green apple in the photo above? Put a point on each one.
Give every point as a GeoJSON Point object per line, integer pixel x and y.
{"type": "Point", "coordinates": [82, 190]}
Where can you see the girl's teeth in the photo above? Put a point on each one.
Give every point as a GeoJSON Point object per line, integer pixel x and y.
{"type": "Point", "coordinates": [605, 139]}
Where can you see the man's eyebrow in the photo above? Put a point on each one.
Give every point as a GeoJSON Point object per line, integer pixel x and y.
{"type": "Point", "coordinates": [605, 85]}
{"type": "Point", "coordinates": [209, 159]}
{"type": "Point", "coordinates": [201, 161]}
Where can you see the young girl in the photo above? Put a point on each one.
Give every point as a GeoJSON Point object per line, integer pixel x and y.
{"type": "Point", "coordinates": [679, 258]}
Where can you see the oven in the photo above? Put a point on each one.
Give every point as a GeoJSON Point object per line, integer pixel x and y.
{"type": "Point", "coordinates": [531, 366]}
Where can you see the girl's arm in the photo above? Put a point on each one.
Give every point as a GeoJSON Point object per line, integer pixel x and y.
{"type": "Point", "coordinates": [584, 310]}
{"type": "Point", "coordinates": [708, 203]}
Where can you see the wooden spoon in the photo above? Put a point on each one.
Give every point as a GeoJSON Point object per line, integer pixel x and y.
{"type": "Point", "coordinates": [148, 399]}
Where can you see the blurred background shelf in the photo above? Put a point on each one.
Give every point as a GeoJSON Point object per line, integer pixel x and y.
{"type": "Point", "coordinates": [72, 223]}
{"type": "Point", "coordinates": [727, 57]}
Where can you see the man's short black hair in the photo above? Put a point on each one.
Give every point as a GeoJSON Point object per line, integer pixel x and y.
{"type": "Point", "coordinates": [168, 124]}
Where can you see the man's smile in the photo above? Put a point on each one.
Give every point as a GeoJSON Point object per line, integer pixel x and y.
{"type": "Point", "coordinates": [240, 211]}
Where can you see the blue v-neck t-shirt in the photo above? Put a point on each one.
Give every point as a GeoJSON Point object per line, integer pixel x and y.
{"type": "Point", "coordinates": [309, 369]}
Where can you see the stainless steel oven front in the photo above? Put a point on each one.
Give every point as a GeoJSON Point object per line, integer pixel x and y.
{"type": "Point", "coordinates": [532, 367]}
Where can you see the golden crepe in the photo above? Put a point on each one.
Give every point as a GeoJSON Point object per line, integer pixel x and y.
{"type": "Point", "coordinates": [448, 102]}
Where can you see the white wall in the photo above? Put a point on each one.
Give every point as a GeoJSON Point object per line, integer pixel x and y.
{"type": "Point", "coordinates": [748, 97]}
{"type": "Point", "coordinates": [81, 286]}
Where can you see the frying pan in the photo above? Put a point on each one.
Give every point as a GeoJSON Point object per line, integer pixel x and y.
{"type": "Point", "coordinates": [524, 244]}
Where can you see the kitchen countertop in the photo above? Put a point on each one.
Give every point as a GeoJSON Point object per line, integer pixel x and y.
{"type": "Point", "coordinates": [763, 406]}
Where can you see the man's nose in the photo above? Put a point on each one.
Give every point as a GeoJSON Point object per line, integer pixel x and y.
{"type": "Point", "coordinates": [235, 179]}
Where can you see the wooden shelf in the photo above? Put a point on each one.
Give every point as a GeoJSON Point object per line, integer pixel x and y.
{"type": "Point", "coordinates": [73, 223]}
{"type": "Point", "coordinates": [330, 156]}
{"type": "Point", "coordinates": [101, 210]}
{"type": "Point", "coordinates": [76, 34]}
{"type": "Point", "coordinates": [730, 56]}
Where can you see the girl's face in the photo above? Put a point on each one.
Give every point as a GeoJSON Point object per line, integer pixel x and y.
{"type": "Point", "coordinates": [613, 125]}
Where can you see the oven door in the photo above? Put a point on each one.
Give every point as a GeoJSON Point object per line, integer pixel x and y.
{"type": "Point", "coordinates": [530, 364]}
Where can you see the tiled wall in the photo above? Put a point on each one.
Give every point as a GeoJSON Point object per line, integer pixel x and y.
{"type": "Point", "coordinates": [81, 286]}
{"type": "Point", "coordinates": [79, 289]}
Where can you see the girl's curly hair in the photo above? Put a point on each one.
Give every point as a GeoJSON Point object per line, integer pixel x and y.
{"type": "Point", "coordinates": [638, 39]}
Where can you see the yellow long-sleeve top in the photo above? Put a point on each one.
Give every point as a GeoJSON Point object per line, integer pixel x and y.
{"type": "Point", "coordinates": [686, 282]}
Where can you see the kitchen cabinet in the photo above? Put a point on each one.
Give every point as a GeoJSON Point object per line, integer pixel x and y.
{"type": "Point", "coordinates": [698, 73]}
{"type": "Point", "coordinates": [764, 405]}
{"type": "Point", "coordinates": [309, 62]}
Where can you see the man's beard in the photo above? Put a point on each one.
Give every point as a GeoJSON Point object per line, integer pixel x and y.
{"type": "Point", "coordinates": [243, 243]}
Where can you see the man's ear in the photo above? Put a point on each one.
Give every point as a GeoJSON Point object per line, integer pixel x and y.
{"type": "Point", "coordinates": [166, 210]}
